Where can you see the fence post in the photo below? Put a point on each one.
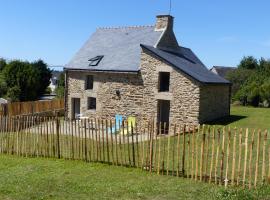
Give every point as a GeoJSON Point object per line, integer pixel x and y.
{"type": "Point", "coordinates": [250, 158]}
{"type": "Point", "coordinates": [184, 151]}
{"type": "Point", "coordinates": [133, 148]}
{"type": "Point", "coordinates": [257, 158]}
{"type": "Point", "coordinates": [85, 142]}
{"type": "Point", "coordinates": [202, 154]}
{"type": "Point", "coordinates": [222, 155]}
{"type": "Point", "coordinates": [263, 162]}
{"type": "Point", "coordinates": [57, 136]}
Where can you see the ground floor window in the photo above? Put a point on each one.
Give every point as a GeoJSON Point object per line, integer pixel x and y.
{"type": "Point", "coordinates": [91, 102]}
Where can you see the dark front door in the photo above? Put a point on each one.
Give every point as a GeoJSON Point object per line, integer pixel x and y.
{"type": "Point", "coordinates": [164, 115]}
{"type": "Point", "coordinates": [76, 104]}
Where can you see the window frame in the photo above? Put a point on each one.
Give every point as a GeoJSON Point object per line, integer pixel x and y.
{"type": "Point", "coordinates": [161, 78]}
{"type": "Point", "coordinates": [87, 83]}
{"type": "Point", "coordinates": [95, 61]}
{"type": "Point", "coordinates": [89, 103]}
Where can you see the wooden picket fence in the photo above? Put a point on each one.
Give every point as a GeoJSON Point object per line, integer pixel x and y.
{"type": "Point", "coordinates": [220, 155]}
{"type": "Point", "coordinates": [31, 107]}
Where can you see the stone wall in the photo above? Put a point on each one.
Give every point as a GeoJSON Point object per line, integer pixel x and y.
{"type": "Point", "coordinates": [184, 93]}
{"type": "Point", "coordinates": [214, 102]}
{"type": "Point", "coordinates": [129, 102]}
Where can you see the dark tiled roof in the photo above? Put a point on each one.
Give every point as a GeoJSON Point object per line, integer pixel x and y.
{"type": "Point", "coordinates": [122, 52]}
{"type": "Point", "coordinates": [119, 46]}
{"type": "Point", "coordinates": [222, 70]}
{"type": "Point", "coordinates": [186, 61]}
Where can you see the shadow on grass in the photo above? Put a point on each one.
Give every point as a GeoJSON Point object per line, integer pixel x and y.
{"type": "Point", "coordinates": [226, 120]}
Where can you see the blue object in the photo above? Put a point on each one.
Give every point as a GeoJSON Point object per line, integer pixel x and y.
{"type": "Point", "coordinates": [117, 127]}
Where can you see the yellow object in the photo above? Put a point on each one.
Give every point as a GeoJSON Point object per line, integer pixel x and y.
{"type": "Point", "coordinates": [131, 122]}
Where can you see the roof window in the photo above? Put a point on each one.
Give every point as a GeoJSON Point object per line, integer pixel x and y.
{"type": "Point", "coordinates": [95, 61]}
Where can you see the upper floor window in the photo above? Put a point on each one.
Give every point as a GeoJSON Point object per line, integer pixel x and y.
{"type": "Point", "coordinates": [164, 81]}
{"type": "Point", "coordinates": [89, 84]}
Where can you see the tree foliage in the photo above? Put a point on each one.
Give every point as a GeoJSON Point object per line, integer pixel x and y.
{"type": "Point", "coordinates": [251, 82]}
{"type": "Point", "coordinates": [26, 81]}
{"type": "Point", "coordinates": [3, 63]}
{"type": "Point", "coordinates": [60, 89]}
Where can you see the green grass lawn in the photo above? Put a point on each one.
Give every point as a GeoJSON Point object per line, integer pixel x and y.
{"type": "Point", "coordinates": [247, 117]}
{"type": "Point", "coordinates": [41, 178]}
{"type": "Point", "coordinates": [37, 178]}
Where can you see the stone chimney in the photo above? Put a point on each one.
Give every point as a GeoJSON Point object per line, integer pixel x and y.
{"type": "Point", "coordinates": [167, 40]}
{"type": "Point", "coordinates": [163, 22]}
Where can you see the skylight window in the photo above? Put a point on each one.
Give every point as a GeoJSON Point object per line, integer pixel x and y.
{"type": "Point", "coordinates": [95, 61]}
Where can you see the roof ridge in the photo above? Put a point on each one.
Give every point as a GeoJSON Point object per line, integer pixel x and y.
{"type": "Point", "coordinates": [125, 27]}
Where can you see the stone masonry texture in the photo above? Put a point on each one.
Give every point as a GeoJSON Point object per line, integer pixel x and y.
{"type": "Point", "coordinates": [190, 101]}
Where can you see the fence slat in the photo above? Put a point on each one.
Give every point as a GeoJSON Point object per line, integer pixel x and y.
{"type": "Point", "coordinates": [245, 158]}
{"type": "Point", "coordinates": [228, 157]}
{"type": "Point", "coordinates": [206, 154]}
{"type": "Point", "coordinates": [250, 159]}
{"type": "Point", "coordinates": [263, 158]}
{"type": "Point", "coordinates": [202, 154]}
{"type": "Point", "coordinates": [234, 157]}
{"type": "Point", "coordinates": [193, 153]}
{"type": "Point", "coordinates": [159, 148]}
{"type": "Point", "coordinates": [239, 157]}
{"type": "Point", "coordinates": [222, 154]}
{"type": "Point", "coordinates": [168, 155]}
{"type": "Point", "coordinates": [212, 154]}
{"type": "Point", "coordinates": [178, 151]}
{"type": "Point", "coordinates": [184, 151]}
{"type": "Point", "coordinates": [257, 158]}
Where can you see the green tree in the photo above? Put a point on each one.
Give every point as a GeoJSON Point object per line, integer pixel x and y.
{"type": "Point", "coordinates": [3, 63]}
{"type": "Point", "coordinates": [248, 62]}
{"type": "Point", "coordinates": [60, 89]}
{"type": "Point", "coordinates": [238, 78]}
{"type": "Point", "coordinates": [250, 82]}
{"type": "Point", "coordinates": [265, 92]}
{"type": "Point", "coordinates": [32, 79]}
{"type": "Point", "coordinates": [14, 93]}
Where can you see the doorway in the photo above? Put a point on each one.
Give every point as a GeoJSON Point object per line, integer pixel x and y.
{"type": "Point", "coordinates": [76, 104]}
{"type": "Point", "coordinates": [164, 115]}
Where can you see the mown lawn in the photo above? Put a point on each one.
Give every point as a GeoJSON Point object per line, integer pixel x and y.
{"type": "Point", "coordinates": [247, 117]}
{"type": "Point", "coordinates": [39, 178]}
{"type": "Point", "coordinates": [42, 178]}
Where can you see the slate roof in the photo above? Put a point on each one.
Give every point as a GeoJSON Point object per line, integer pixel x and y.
{"type": "Point", "coordinates": [187, 62]}
{"type": "Point", "coordinates": [119, 46]}
{"type": "Point", "coordinates": [222, 70]}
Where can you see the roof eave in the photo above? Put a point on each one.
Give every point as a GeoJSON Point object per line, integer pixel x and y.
{"type": "Point", "coordinates": [102, 71]}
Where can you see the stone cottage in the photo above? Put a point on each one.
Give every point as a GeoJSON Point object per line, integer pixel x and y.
{"type": "Point", "coordinates": [142, 71]}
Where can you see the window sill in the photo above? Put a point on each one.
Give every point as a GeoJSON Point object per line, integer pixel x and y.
{"type": "Point", "coordinates": [164, 96]}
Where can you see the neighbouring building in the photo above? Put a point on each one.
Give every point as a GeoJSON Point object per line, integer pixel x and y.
{"type": "Point", "coordinates": [3, 101]}
{"type": "Point", "coordinates": [143, 72]}
{"type": "Point", "coordinates": [222, 70]}
{"type": "Point", "coordinates": [54, 80]}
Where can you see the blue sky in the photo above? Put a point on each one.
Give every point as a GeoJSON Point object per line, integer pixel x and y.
{"type": "Point", "coordinates": [219, 32]}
